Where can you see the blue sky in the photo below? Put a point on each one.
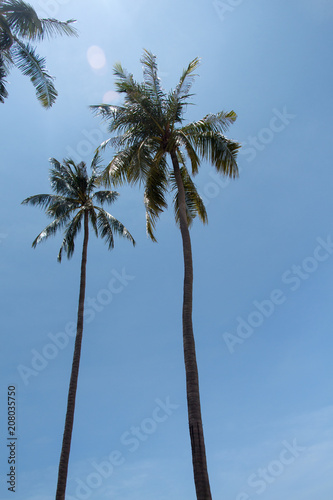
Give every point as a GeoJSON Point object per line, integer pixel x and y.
{"type": "Point", "coordinates": [263, 265]}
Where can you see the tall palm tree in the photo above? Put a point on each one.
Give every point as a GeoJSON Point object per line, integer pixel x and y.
{"type": "Point", "coordinates": [73, 204]}
{"type": "Point", "coordinates": [151, 131]}
{"type": "Point", "coordinates": [19, 25]}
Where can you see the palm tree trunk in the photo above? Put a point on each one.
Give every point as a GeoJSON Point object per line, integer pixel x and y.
{"type": "Point", "coordinates": [200, 471]}
{"type": "Point", "coordinates": [67, 437]}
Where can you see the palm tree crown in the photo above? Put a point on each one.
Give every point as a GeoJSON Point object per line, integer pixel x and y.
{"type": "Point", "coordinates": [74, 197]}
{"type": "Point", "coordinates": [19, 25]}
{"type": "Point", "coordinates": [151, 128]}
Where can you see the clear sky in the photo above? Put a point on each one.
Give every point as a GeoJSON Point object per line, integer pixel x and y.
{"type": "Point", "coordinates": [263, 265]}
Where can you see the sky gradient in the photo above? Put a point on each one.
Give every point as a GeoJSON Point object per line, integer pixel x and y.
{"type": "Point", "coordinates": [263, 265]}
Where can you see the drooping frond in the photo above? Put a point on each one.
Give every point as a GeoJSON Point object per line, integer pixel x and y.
{"type": "Point", "coordinates": [40, 200]}
{"type": "Point", "coordinates": [190, 150]}
{"type": "Point", "coordinates": [107, 225]}
{"type": "Point", "coordinates": [129, 165]}
{"type": "Point", "coordinates": [49, 230]}
{"type": "Point", "coordinates": [156, 186]}
{"type": "Point", "coordinates": [194, 204]}
{"type": "Point", "coordinates": [73, 228]}
{"type": "Point", "coordinates": [32, 65]}
{"type": "Point", "coordinates": [219, 151]}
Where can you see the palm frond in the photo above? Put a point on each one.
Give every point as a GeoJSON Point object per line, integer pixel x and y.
{"type": "Point", "coordinates": [186, 80]}
{"type": "Point", "coordinates": [40, 200]}
{"type": "Point", "coordinates": [105, 196]}
{"type": "Point", "coordinates": [156, 186]}
{"type": "Point", "coordinates": [107, 225]}
{"type": "Point", "coordinates": [190, 150]}
{"type": "Point", "coordinates": [194, 204]}
{"type": "Point", "coordinates": [129, 165]}
{"type": "Point", "coordinates": [32, 65]}
{"type": "Point", "coordinates": [72, 229]}
{"type": "Point", "coordinates": [22, 19]}
{"type": "Point", "coordinates": [49, 230]}
{"type": "Point", "coordinates": [152, 81]}
{"type": "Point", "coordinates": [52, 27]}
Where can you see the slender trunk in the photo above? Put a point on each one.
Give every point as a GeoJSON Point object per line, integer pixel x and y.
{"type": "Point", "coordinates": [200, 471]}
{"type": "Point", "coordinates": [67, 437]}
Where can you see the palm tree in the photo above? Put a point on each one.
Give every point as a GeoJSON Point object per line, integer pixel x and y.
{"type": "Point", "coordinates": [151, 131]}
{"type": "Point", "coordinates": [19, 25]}
{"type": "Point", "coordinates": [73, 204]}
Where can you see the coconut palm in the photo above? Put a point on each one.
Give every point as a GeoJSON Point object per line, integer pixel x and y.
{"type": "Point", "coordinates": [19, 25]}
{"type": "Point", "coordinates": [72, 205]}
{"type": "Point", "coordinates": [150, 131]}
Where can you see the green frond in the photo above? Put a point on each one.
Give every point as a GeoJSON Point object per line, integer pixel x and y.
{"type": "Point", "coordinates": [151, 79]}
{"type": "Point", "coordinates": [186, 80]}
{"type": "Point", "coordinates": [72, 229]}
{"type": "Point", "coordinates": [49, 230]}
{"type": "Point", "coordinates": [214, 123]}
{"type": "Point", "coordinates": [32, 65]}
{"type": "Point", "coordinates": [63, 207]}
{"type": "Point", "coordinates": [52, 27]}
{"type": "Point", "coordinates": [129, 165]}
{"type": "Point", "coordinates": [190, 150]}
{"type": "Point", "coordinates": [40, 200]}
{"type": "Point", "coordinates": [194, 204]}
{"type": "Point", "coordinates": [107, 225]}
{"type": "Point", "coordinates": [156, 186]}
{"type": "Point", "coordinates": [93, 220]}
{"type": "Point", "coordinates": [22, 19]}
{"type": "Point", "coordinates": [105, 196]}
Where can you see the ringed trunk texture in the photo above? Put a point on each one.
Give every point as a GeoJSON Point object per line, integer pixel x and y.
{"type": "Point", "coordinates": [67, 436]}
{"type": "Point", "coordinates": [200, 470]}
